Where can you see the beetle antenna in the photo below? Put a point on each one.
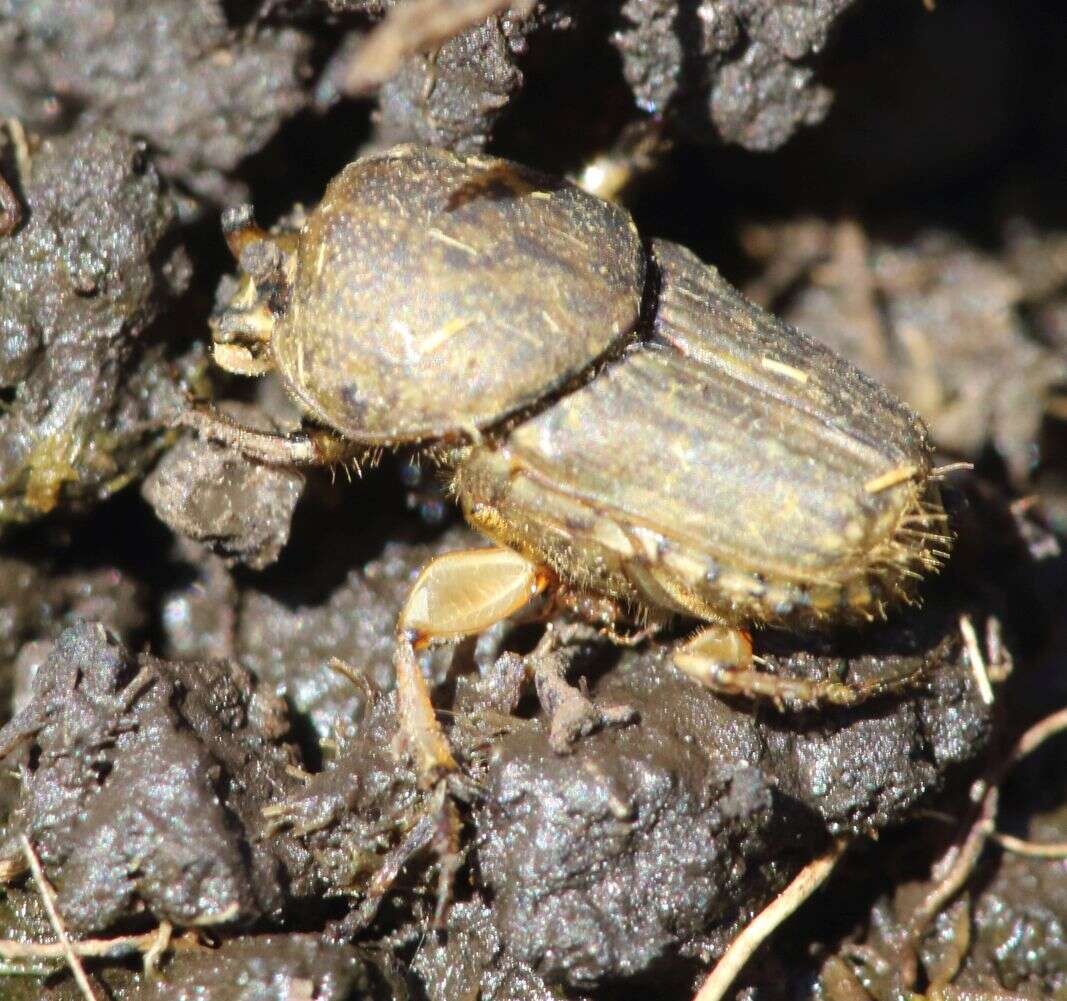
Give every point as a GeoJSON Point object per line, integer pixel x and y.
{"type": "Point", "coordinates": [239, 229]}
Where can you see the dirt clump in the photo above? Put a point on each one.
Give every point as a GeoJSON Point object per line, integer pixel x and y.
{"type": "Point", "coordinates": [241, 510]}
{"type": "Point", "coordinates": [81, 281]}
{"type": "Point", "coordinates": [137, 780]}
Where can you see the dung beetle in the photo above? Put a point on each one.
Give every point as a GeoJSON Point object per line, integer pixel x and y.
{"type": "Point", "coordinates": [615, 416]}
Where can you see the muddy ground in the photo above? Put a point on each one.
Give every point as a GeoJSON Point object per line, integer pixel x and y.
{"type": "Point", "coordinates": [185, 757]}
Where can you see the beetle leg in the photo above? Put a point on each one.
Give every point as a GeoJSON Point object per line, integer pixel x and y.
{"type": "Point", "coordinates": [446, 846]}
{"type": "Point", "coordinates": [577, 632]}
{"type": "Point", "coordinates": [714, 655]}
{"type": "Point", "coordinates": [240, 360]}
{"type": "Point", "coordinates": [464, 593]}
{"type": "Point", "coordinates": [313, 447]}
{"type": "Point", "coordinates": [720, 657]}
{"type": "Point", "coordinates": [636, 152]}
{"type": "Point", "coordinates": [419, 729]}
{"type": "Point", "coordinates": [458, 594]}
{"type": "Point", "coordinates": [599, 616]}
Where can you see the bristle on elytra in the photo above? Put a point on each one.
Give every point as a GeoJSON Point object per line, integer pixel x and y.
{"type": "Point", "coordinates": [914, 549]}
{"type": "Point", "coordinates": [917, 546]}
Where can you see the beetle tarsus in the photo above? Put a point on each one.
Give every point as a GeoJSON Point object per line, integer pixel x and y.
{"type": "Point", "coordinates": [439, 830]}
{"type": "Point", "coordinates": [240, 229]}
{"type": "Point", "coordinates": [723, 662]}
{"type": "Point", "coordinates": [446, 846]}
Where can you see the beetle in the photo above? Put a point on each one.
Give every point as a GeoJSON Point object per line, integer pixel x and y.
{"type": "Point", "coordinates": [614, 415]}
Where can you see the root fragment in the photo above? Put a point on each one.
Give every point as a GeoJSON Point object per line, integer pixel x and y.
{"type": "Point", "coordinates": [48, 898]}
{"type": "Point", "coordinates": [17, 957]}
{"type": "Point", "coordinates": [806, 882]}
{"type": "Point", "coordinates": [1030, 849]}
{"type": "Point", "coordinates": [977, 661]}
{"type": "Point", "coordinates": [957, 864]}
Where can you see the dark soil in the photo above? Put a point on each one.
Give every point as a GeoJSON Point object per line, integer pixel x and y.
{"type": "Point", "coordinates": [183, 747]}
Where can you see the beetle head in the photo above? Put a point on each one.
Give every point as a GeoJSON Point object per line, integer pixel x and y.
{"type": "Point", "coordinates": [242, 329]}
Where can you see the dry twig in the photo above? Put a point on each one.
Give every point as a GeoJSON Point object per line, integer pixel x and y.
{"type": "Point", "coordinates": [415, 26]}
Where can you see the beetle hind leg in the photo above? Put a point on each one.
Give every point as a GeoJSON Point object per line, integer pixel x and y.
{"type": "Point", "coordinates": [720, 658]}
{"type": "Point", "coordinates": [419, 730]}
{"type": "Point", "coordinates": [456, 595]}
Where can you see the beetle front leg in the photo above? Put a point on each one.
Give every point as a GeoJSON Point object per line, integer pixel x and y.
{"type": "Point", "coordinates": [314, 447]}
{"type": "Point", "coordinates": [720, 657]}
{"type": "Point", "coordinates": [456, 595]}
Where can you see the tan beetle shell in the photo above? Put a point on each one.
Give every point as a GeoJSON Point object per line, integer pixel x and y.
{"type": "Point", "coordinates": [433, 296]}
{"type": "Point", "coordinates": [653, 437]}
{"type": "Point", "coordinates": [727, 467]}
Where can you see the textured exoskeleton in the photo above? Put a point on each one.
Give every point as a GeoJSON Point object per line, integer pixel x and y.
{"type": "Point", "coordinates": [722, 467]}
{"type": "Point", "coordinates": [624, 423]}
